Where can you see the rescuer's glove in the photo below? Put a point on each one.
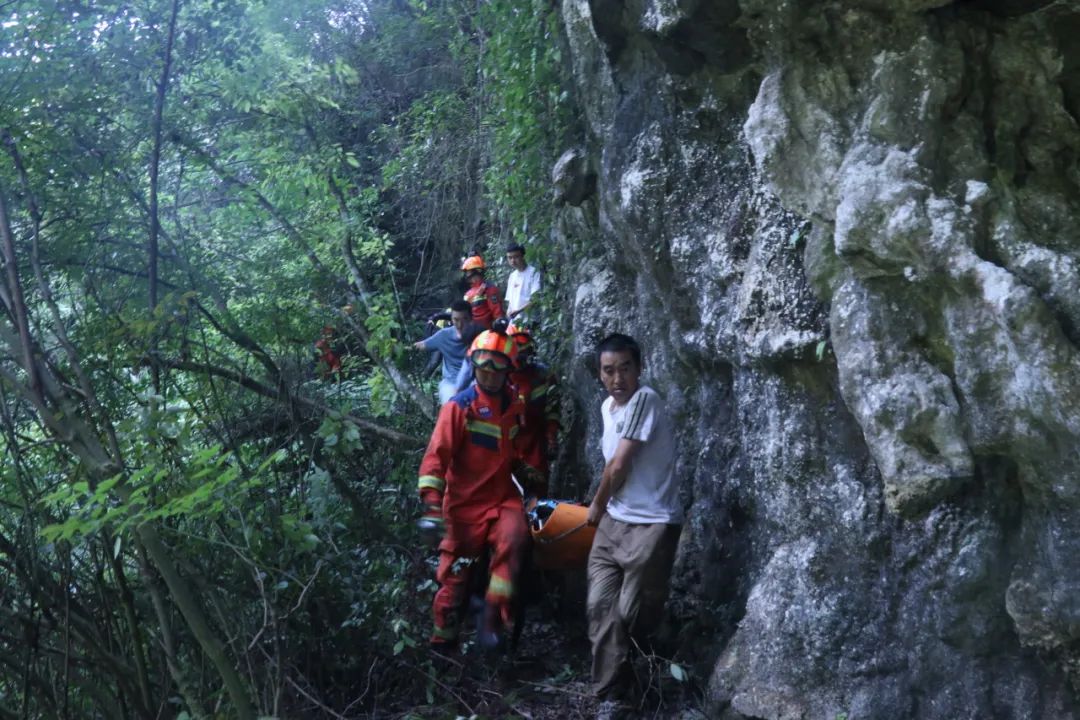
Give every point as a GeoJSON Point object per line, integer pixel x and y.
{"type": "Point", "coordinates": [531, 479]}
{"type": "Point", "coordinates": [431, 524]}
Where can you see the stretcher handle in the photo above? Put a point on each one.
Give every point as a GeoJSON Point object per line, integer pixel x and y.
{"type": "Point", "coordinates": [560, 536]}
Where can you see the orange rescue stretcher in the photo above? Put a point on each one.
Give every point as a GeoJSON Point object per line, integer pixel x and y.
{"type": "Point", "coordinates": [561, 536]}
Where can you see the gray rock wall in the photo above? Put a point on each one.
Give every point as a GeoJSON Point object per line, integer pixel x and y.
{"type": "Point", "coordinates": [847, 234]}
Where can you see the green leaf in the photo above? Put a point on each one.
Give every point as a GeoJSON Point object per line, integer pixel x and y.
{"type": "Point", "coordinates": [106, 485]}
{"type": "Point", "coordinates": [678, 673]}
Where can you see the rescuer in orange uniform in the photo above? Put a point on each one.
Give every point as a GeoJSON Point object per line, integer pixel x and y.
{"type": "Point", "coordinates": [537, 386]}
{"type": "Point", "coordinates": [465, 485]}
{"type": "Point", "coordinates": [481, 295]}
{"type": "Point", "coordinates": [329, 361]}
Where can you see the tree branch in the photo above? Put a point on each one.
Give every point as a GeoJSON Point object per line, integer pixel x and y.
{"type": "Point", "coordinates": [16, 305]}
{"type": "Point", "coordinates": [407, 388]}
{"type": "Point", "coordinates": [365, 426]}
{"type": "Point", "coordinates": [155, 169]}
{"type": "Point", "coordinates": [230, 179]}
{"type": "Point", "coordinates": [37, 216]}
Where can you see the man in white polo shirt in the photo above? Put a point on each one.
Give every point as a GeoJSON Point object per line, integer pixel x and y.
{"type": "Point", "coordinates": [524, 280]}
{"type": "Point", "coordinates": [638, 518]}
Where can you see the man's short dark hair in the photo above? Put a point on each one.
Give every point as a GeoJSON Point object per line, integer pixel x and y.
{"type": "Point", "coordinates": [461, 306]}
{"type": "Point", "coordinates": [469, 333]}
{"type": "Point", "coordinates": [617, 342]}
{"type": "Point", "coordinates": [515, 247]}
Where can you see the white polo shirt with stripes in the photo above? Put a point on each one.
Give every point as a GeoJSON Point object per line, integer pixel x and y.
{"type": "Point", "coordinates": [650, 493]}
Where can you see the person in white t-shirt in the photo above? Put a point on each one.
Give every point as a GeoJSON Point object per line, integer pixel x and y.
{"type": "Point", "coordinates": [638, 519]}
{"type": "Point", "coordinates": [523, 282]}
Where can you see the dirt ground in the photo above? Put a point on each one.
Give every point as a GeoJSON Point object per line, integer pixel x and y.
{"type": "Point", "coordinates": [545, 678]}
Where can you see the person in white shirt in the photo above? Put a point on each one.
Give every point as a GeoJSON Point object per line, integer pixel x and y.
{"type": "Point", "coordinates": [638, 519]}
{"type": "Point", "coordinates": [523, 282]}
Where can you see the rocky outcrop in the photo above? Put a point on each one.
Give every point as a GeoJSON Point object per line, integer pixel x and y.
{"type": "Point", "coordinates": [846, 233]}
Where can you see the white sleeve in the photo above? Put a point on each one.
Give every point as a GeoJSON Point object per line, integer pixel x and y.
{"type": "Point", "coordinates": [640, 417]}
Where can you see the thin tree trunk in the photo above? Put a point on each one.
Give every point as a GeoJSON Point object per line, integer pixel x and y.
{"type": "Point", "coordinates": [155, 167]}
{"type": "Point", "coordinates": [56, 409]}
{"type": "Point", "coordinates": [194, 615]}
{"type": "Point", "coordinates": [402, 383]}
{"type": "Point", "coordinates": [168, 643]}
{"type": "Point", "coordinates": [12, 297]}
{"type": "Point", "coordinates": [127, 599]}
{"type": "Point", "coordinates": [46, 295]}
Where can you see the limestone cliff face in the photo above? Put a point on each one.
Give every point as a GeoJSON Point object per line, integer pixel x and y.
{"type": "Point", "coordinates": [848, 233]}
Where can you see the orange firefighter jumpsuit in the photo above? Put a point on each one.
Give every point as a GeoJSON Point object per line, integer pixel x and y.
{"type": "Point", "coordinates": [329, 361]}
{"type": "Point", "coordinates": [536, 385]}
{"type": "Point", "coordinates": [466, 471]}
{"type": "Point", "coordinates": [486, 306]}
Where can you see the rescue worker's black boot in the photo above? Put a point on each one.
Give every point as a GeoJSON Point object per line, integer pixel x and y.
{"type": "Point", "coordinates": [489, 631]}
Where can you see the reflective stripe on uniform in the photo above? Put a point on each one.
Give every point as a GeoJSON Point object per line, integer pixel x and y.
{"type": "Point", "coordinates": [486, 435]}
{"type": "Point", "coordinates": [431, 482]}
{"type": "Point", "coordinates": [500, 587]}
{"type": "Point", "coordinates": [484, 428]}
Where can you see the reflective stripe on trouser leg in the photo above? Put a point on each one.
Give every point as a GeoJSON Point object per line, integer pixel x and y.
{"type": "Point", "coordinates": [500, 587]}
{"type": "Point", "coordinates": [444, 608]}
{"type": "Point", "coordinates": [507, 538]}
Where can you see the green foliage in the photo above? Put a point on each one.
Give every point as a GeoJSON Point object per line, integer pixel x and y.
{"type": "Point", "coordinates": [383, 394]}
{"type": "Point", "coordinates": [291, 136]}
{"type": "Point", "coordinates": [529, 112]}
{"type": "Point", "coordinates": [200, 485]}
{"type": "Point", "coordinates": [403, 631]}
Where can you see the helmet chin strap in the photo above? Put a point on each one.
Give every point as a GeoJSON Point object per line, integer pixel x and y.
{"type": "Point", "coordinates": [492, 392]}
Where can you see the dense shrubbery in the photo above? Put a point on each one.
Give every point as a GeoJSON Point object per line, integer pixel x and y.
{"type": "Point", "coordinates": [195, 522]}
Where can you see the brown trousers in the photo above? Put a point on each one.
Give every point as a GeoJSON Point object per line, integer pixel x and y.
{"type": "Point", "coordinates": [629, 569]}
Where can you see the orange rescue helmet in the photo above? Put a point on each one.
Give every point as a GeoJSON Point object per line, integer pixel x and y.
{"type": "Point", "coordinates": [495, 342]}
{"type": "Point", "coordinates": [472, 263]}
{"type": "Point", "coordinates": [521, 336]}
